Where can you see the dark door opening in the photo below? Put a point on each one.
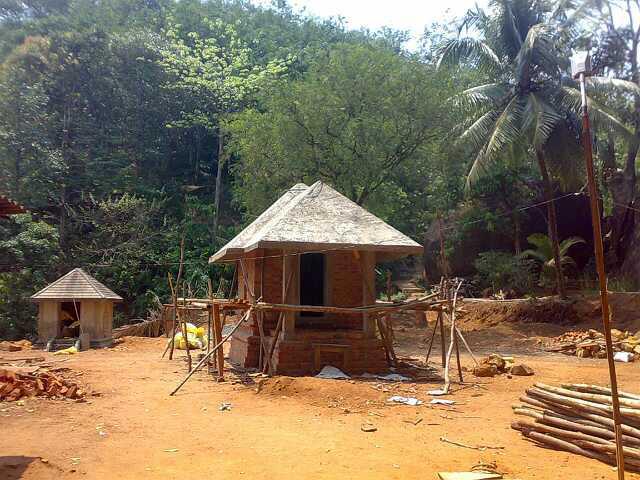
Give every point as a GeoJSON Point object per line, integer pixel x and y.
{"type": "Point", "coordinates": [69, 319]}
{"type": "Point", "coordinates": [312, 281]}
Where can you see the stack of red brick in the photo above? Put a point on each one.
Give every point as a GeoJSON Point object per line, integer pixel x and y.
{"type": "Point", "coordinates": [15, 385]}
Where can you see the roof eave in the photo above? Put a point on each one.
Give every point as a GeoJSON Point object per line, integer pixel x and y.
{"type": "Point", "coordinates": [71, 299]}
{"type": "Point", "coordinates": [236, 253]}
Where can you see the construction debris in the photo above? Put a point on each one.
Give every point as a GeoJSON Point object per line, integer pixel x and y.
{"type": "Point", "coordinates": [591, 343]}
{"type": "Point", "coordinates": [468, 476]}
{"type": "Point", "coordinates": [17, 383]}
{"type": "Point", "coordinates": [577, 418]}
{"type": "Point", "coordinates": [7, 346]}
{"type": "Point", "coordinates": [405, 400]}
{"type": "Point", "coordinates": [333, 373]}
{"type": "Point", "coordinates": [481, 448]}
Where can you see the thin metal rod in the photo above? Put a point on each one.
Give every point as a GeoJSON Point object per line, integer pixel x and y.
{"type": "Point", "coordinates": [602, 276]}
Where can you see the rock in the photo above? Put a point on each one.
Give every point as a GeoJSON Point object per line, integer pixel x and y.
{"type": "Point", "coordinates": [521, 370]}
{"type": "Point", "coordinates": [636, 349]}
{"type": "Point", "coordinates": [368, 427]}
{"type": "Point", "coordinates": [496, 360]}
{"type": "Point", "coordinates": [485, 370]}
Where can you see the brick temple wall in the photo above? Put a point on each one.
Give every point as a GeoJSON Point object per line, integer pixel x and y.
{"type": "Point", "coordinates": [296, 356]}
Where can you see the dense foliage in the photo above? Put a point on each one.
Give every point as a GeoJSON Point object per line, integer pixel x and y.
{"type": "Point", "coordinates": [128, 125]}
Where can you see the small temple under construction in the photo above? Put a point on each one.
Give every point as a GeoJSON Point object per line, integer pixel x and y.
{"type": "Point", "coordinates": [312, 257]}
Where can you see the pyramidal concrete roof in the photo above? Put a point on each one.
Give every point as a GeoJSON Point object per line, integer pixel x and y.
{"type": "Point", "coordinates": [77, 284]}
{"type": "Point", "coordinates": [315, 218]}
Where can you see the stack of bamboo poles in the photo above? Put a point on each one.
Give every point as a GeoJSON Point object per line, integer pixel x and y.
{"type": "Point", "coordinates": [577, 418]}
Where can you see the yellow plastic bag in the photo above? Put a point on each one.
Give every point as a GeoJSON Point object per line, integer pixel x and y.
{"type": "Point", "coordinates": [67, 351]}
{"type": "Point", "coordinates": [194, 342]}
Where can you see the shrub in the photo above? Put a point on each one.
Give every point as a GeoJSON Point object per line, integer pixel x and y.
{"type": "Point", "coordinates": [504, 271]}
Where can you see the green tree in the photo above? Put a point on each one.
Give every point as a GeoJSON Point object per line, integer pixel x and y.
{"type": "Point", "coordinates": [357, 117]}
{"type": "Point", "coordinates": [30, 259]}
{"type": "Point", "coordinates": [528, 99]}
{"type": "Point", "coordinates": [213, 75]}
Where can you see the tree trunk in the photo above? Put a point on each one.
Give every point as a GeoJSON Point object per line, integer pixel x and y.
{"type": "Point", "coordinates": [552, 221]}
{"type": "Point", "coordinates": [218, 193]}
{"type": "Point", "coordinates": [516, 233]}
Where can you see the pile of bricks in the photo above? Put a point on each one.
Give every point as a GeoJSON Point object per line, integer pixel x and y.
{"type": "Point", "coordinates": [591, 343]}
{"type": "Point", "coordinates": [15, 385]}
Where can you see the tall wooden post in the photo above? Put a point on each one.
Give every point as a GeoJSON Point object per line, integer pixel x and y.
{"type": "Point", "coordinates": [217, 332]}
{"type": "Point", "coordinates": [367, 267]}
{"type": "Point", "coordinates": [291, 295]}
{"type": "Point", "coordinates": [602, 275]}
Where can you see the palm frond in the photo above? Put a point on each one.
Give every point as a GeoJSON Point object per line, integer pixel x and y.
{"type": "Point", "coordinates": [478, 168]}
{"type": "Point", "coordinates": [534, 254]}
{"type": "Point", "coordinates": [543, 244]}
{"type": "Point", "coordinates": [608, 86]}
{"type": "Point", "coordinates": [537, 50]}
{"type": "Point", "coordinates": [564, 154]}
{"type": "Point", "coordinates": [507, 129]}
{"type": "Point", "coordinates": [489, 95]}
{"type": "Point", "coordinates": [570, 99]}
{"type": "Point", "coordinates": [477, 135]}
{"type": "Point", "coordinates": [541, 118]}
{"type": "Point", "coordinates": [567, 243]}
{"type": "Point", "coordinates": [470, 51]}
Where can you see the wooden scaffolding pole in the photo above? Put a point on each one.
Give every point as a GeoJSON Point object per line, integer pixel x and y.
{"type": "Point", "coordinates": [214, 350]}
{"type": "Point", "coordinates": [217, 335]}
{"type": "Point", "coordinates": [602, 275]}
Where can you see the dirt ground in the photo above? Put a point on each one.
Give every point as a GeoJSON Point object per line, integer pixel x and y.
{"type": "Point", "coordinates": [130, 428]}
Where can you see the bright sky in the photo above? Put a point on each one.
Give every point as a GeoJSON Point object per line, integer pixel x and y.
{"type": "Point", "coordinates": [410, 15]}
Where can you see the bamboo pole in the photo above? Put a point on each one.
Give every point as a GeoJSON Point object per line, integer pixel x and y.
{"type": "Point", "coordinates": [217, 332]}
{"type": "Point", "coordinates": [447, 381]}
{"type": "Point", "coordinates": [551, 441]}
{"type": "Point", "coordinates": [592, 397]}
{"type": "Point", "coordinates": [457, 348]}
{"type": "Point", "coordinates": [602, 275]}
{"type": "Point", "coordinates": [185, 332]}
{"type": "Point", "coordinates": [215, 349]}
{"type": "Point", "coordinates": [584, 404]}
{"type": "Point", "coordinates": [433, 335]}
{"type": "Point", "coordinates": [209, 313]}
{"type": "Point", "coordinates": [175, 315]}
{"type": "Point", "coordinates": [557, 432]}
{"type": "Point", "coordinates": [599, 418]}
{"type": "Point", "coordinates": [464, 342]}
{"type": "Point", "coordinates": [375, 308]}
{"type": "Point", "coordinates": [276, 334]}
{"type": "Point", "coordinates": [583, 387]}
{"type": "Point", "coordinates": [574, 423]}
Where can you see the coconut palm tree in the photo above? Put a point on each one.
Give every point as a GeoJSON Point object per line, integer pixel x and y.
{"type": "Point", "coordinates": [528, 100]}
